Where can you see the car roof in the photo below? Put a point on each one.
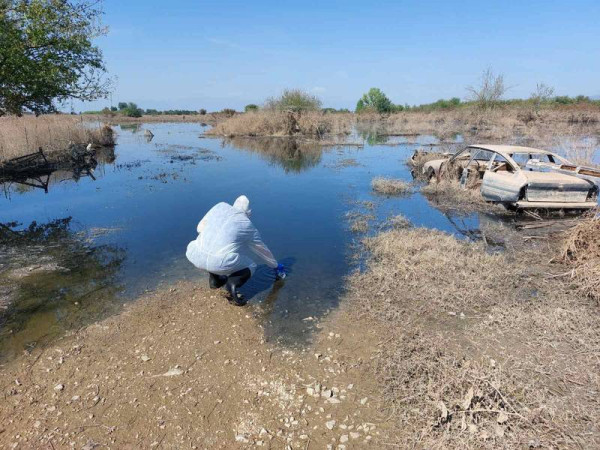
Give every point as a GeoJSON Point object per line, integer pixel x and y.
{"type": "Point", "coordinates": [510, 149]}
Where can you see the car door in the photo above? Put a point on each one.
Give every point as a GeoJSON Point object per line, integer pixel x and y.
{"type": "Point", "coordinates": [502, 182]}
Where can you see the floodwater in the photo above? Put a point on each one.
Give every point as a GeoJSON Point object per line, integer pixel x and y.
{"type": "Point", "coordinates": [75, 247]}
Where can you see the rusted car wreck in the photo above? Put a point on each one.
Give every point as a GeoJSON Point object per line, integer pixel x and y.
{"type": "Point", "coordinates": [519, 177]}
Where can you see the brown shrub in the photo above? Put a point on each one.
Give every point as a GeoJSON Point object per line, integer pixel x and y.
{"type": "Point", "coordinates": [53, 133]}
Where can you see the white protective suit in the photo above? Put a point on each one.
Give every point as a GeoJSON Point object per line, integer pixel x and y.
{"type": "Point", "coordinates": [228, 241]}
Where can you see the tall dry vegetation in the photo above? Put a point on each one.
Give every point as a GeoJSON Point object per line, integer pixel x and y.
{"type": "Point", "coordinates": [283, 123]}
{"type": "Point", "coordinates": [479, 350]}
{"type": "Point", "coordinates": [53, 133]}
{"type": "Point", "coordinates": [581, 250]}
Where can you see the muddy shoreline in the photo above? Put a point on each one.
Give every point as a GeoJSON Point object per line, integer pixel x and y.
{"type": "Point", "coordinates": [410, 357]}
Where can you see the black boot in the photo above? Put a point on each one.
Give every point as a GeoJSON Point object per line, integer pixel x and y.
{"type": "Point", "coordinates": [236, 298]}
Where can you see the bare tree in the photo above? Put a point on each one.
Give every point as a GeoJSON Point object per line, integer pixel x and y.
{"type": "Point", "coordinates": [542, 94]}
{"type": "Point", "coordinates": [489, 91]}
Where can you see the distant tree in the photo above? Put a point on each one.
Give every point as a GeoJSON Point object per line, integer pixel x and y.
{"type": "Point", "coordinates": [490, 90]}
{"type": "Point", "coordinates": [122, 105]}
{"type": "Point", "coordinates": [295, 100]}
{"type": "Point", "coordinates": [542, 94]}
{"type": "Point", "coordinates": [375, 101]}
{"type": "Point", "coordinates": [113, 108]}
{"type": "Point", "coordinates": [47, 54]}
{"type": "Point", "coordinates": [251, 107]}
{"type": "Point", "coordinates": [132, 110]}
{"type": "Point", "coordinates": [202, 111]}
{"type": "Point", "coordinates": [152, 112]}
{"type": "Point", "coordinates": [228, 112]}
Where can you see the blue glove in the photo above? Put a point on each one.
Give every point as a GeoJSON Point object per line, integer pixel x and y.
{"type": "Point", "coordinates": [280, 271]}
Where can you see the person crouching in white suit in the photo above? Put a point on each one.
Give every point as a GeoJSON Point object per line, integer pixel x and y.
{"type": "Point", "coordinates": [229, 247]}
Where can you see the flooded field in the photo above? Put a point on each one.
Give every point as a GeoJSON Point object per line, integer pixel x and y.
{"type": "Point", "coordinates": [75, 246]}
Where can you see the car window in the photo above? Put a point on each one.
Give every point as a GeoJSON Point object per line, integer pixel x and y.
{"type": "Point", "coordinates": [501, 164]}
{"type": "Point", "coordinates": [483, 155]}
{"type": "Point", "coordinates": [522, 158]}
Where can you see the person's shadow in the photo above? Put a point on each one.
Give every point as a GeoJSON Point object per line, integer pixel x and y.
{"type": "Point", "coordinates": [264, 277]}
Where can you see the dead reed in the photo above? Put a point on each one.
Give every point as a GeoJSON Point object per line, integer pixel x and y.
{"type": "Point", "coordinates": [275, 123]}
{"type": "Point", "coordinates": [448, 194]}
{"type": "Point", "coordinates": [468, 358]}
{"type": "Point", "coordinates": [581, 250]}
{"type": "Point", "coordinates": [390, 186]}
{"type": "Point", "coordinates": [53, 133]}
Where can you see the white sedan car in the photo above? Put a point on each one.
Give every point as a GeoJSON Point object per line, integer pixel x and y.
{"type": "Point", "coordinates": [521, 177]}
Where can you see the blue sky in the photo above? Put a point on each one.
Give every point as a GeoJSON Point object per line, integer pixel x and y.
{"type": "Point", "coordinates": [217, 54]}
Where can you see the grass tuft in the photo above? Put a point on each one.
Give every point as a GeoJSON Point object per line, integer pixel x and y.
{"type": "Point", "coordinates": [390, 186]}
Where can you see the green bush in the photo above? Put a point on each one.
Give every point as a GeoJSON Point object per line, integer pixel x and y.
{"type": "Point", "coordinates": [131, 110]}
{"type": "Point", "coordinates": [250, 107]}
{"type": "Point", "coordinates": [202, 112]}
{"type": "Point", "coordinates": [376, 101]}
{"type": "Point", "coordinates": [295, 100]}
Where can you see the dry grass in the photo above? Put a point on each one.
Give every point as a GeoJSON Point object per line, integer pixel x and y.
{"type": "Point", "coordinates": [510, 122]}
{"type": "Point", "coordinates": [390, 186]}
{"type": "Point", "coordinates": [359, 221]}
{"type": "Point", "coordinates": [53, 133]}
{"type": "Point", "coordinates": [469, 357]}
{"type": "Point", "coordinates": [450, 195]}
{"type": "Point", "coordinates": [581, 250]}
{"type": "Point", "coordinates": [272, 123]}
{"type": "Point", "coordinates": [397, 222]}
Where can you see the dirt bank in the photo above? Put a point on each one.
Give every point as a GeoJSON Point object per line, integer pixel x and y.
{"type": "Point", "coordinates": [440, 343]}
{"type": "Point", "coordinates": [184, 369]}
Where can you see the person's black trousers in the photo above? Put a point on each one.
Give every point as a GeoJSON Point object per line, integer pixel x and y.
{"type": "Point", "coordinates": [236, 279]}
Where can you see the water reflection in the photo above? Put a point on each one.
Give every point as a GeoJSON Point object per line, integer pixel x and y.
{"type": "Point", "coordinates": [53, 279]}
{"type": "Point", "coordinates": [43, 176]}
{"type": "Point", "coordinates": [292, 154]}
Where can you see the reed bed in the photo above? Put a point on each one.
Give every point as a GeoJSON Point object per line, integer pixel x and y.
{"type": "Point", "coordinates": [276, 123]}
{"type": "Point", "coordinates": [52, 133]}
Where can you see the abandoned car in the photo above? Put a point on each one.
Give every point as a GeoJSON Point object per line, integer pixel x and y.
{"type": "Point", "coordinates": [519, 177]}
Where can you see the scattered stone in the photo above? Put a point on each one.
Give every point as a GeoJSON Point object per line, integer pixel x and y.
{"type": "Point", "coordinates": [330, 424]}
{"type": "Point", "coordinates": [59, 387]}
{"type": "Point", "coordinates": [145, 358]}
{"type": "Point", "coordinates": [363, 400]}
{"type": "Point", "coordinates": [344, 438]}
{"type": "Point", "coordinates": [354, 435]}
{"type": "Point", "coordinates": [173, 372]}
